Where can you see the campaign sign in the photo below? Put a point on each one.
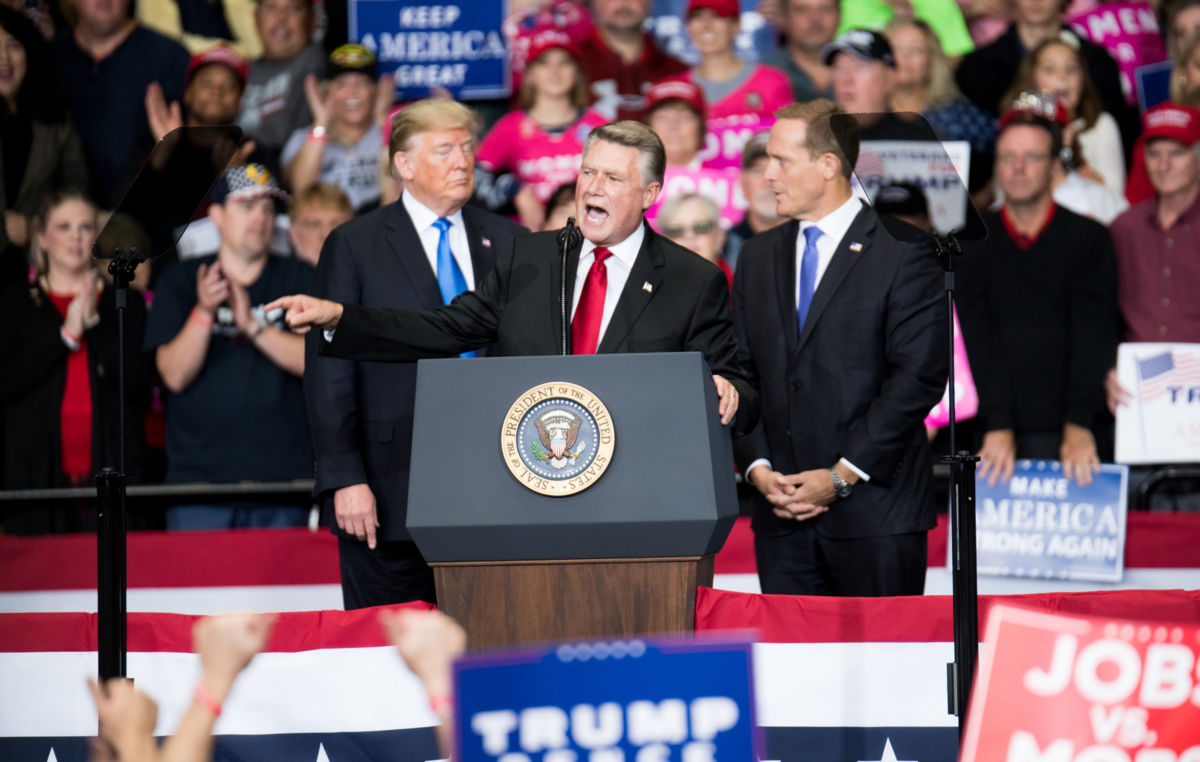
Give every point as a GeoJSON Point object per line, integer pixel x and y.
{"type": "Point", "coordinates": [1043, 525]}
{"type": "Point", "coordinates": [882, 162]}
{"type": "Point", "coordinates": [458, 47]}
{"type": "Point", "coordinates": [1071, 689]}
{"type": "Point", "coordinates": [1160, 420]}
{"type": "Point", "coordinates": [720, 185]}
{"type": "Point", "coordinates": [668, 24]}
{"type": "Point", "coordinates": [966, 398]}
{"type": "Point", "coordinates": [652, 700]}
{"type": "Point", "coordinates": [1153, 84]}
{"type": "Point", "coordinates": [1130, 33]}
{"type": "Point", "coordinates": [727, 138]}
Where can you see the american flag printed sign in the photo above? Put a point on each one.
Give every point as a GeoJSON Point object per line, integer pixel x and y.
{"type": "Point", "coordinates": [1159, 421]}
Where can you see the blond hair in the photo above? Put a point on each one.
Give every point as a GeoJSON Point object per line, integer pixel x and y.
{"type": "Point", "coordinates": [939, 88]}
{"type": "Point", "coordinates": [430, 115]}
{"type": "Point", "coordinates": [1179, 92]}
{"type": "Point", "coordinates": [322, 194]}
{"type": "Point", "coordinates": [822, 135]}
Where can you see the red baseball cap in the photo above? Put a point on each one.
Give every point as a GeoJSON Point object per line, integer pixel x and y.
{"type": "Point", "coordinates": [547, 39]}
{"type": "Point", "coordinates": [680, 90]}
{"type": "Point", "coordinates": [1173, 122]}
{"type": "Point", "coordinates": [728, 9]}
{"type": "Point", "coordinates": [222, 55]}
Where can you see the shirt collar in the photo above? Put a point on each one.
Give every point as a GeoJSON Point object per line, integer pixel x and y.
{"type": "Point", "coordinates": [422, 216]}
{"type": "Point", "coordinates": [1189, 214]}
{"type": "Point", "coordinates": [1024, 242]}
{"type": "Point", "coordinates": [836, 223]}
{"type": "Point", "coordinates": [625, 252]}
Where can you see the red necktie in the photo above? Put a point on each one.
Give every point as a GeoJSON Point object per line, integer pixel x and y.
{"type": "Point", "coordinates": [585, 327]}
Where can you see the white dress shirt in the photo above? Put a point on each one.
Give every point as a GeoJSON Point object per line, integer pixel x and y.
{"type": "Point", "coordinates": [618, 266]}
{"type": "Point", "coordinates": [833, 227]}
{"type": "Point", "coordinates": [423, 218]}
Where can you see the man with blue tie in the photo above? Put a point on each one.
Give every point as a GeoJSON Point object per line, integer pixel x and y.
{"type": "Point", "coordinates": [841, 329]}
{"type": "Point", "coordinates": [420, 252]}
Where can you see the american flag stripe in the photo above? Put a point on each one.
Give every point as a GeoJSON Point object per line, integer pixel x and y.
{"type": "Point", "coordinates": [1181, 370]}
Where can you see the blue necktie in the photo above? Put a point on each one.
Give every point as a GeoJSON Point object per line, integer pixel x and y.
{"type": "Point", "coordinates": [449, 275]}
{"type": "Point", "coordinates": [808, 275]}
{"type": "Point", "coordinates": [450, 278]}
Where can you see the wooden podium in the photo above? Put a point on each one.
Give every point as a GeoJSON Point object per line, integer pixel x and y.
{"type": "Point", "coordinates": [622, 557]}
{"type": "Point", "coordinates": [509, 603]}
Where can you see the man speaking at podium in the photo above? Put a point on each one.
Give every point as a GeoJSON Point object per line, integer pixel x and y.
{"type": "Point", "coordinates": [634, 291]}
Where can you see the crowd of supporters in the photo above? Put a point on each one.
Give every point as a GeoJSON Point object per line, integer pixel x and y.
{"type": "Point", "coordinates": [1091, 200]}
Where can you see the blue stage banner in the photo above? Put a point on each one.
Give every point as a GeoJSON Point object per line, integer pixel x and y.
{"type": "Point", "coordinates": [756, 38]}
{"type": "Point", "coordinates": [661, 700]}
{"type": "Point", "coordinates": [458, 47]}
{"type": "Point", "coordinates": [1043, 525]}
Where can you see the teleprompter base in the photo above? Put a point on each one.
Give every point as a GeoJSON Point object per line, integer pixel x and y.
{"type": "Point", "coordinates": [505, 603]}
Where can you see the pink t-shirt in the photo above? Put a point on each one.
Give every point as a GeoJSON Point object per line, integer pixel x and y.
{"type": "Point", "coordinates": [763, 93]}
{"type": "Point", "coordinates": [520, 145]}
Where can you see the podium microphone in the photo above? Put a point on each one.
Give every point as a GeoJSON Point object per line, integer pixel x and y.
{"type": "Point", "coordinates": [568, 238]}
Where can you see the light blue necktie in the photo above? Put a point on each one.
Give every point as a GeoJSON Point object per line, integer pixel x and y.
{"type": "Point", "coordinates": [449, 275]}
{"type": "Point", "coordinates": [808, 274]}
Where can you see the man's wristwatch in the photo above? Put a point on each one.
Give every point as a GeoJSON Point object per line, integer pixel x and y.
{"type": "Point", "coordinates": [841, 487]}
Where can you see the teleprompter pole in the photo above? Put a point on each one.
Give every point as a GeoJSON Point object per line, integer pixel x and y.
{"type": "Point", "coordinates": [961, 671]}
{"type": "Point", "coordinates": [110, 504]}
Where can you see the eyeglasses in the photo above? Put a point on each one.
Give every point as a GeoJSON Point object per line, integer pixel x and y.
{"type": "Point", "coordinates": [1008, 159]}
{"type": "Point", "coordinates": [700, 228]}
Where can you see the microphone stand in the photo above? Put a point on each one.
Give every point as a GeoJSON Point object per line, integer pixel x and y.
{"type": "Point", "coordinates": [567, 238]}
{"type": "Point", "coordinates": [110, 497]}
{"type": "Point", "coordinates": [961, 671]}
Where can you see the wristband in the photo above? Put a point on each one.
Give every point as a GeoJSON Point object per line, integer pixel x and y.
{"type": "Point", "coordinates": [317, 134]}
{"type": "Point", "coordinates": [196, 316]}
{"type": "Point", "coordinates": [71, 340]}
{"type": "Point", "coordinates": [208, 700]}
{"type": "Point", "coordinates": [442, 702]}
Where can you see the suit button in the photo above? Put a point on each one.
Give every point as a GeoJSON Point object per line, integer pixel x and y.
{"type": "Point", "coordinates": [788, 433]}
{"type": "Point", "coordinates": [795, 386]}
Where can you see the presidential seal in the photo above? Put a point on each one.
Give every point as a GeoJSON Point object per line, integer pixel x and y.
{"type": "Point", "coordinates": [557, 439]}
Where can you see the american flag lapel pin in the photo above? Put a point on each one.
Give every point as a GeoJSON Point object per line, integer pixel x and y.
{"type": "Point", "coordinates": [487, 242]}
{"type": "Point", "coordinates": [647, 287]}
{"type": "Point", "coordinates": [855, 246]}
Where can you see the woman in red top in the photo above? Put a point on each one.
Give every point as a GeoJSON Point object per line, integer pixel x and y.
{"type": "Point", "coordinates": [59, 352]}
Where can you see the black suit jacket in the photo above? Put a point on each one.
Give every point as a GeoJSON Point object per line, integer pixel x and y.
{"type": "Point", "coordinates": [674, 301]}
{"type": "Point", "coordinates": [856, 383]}
{"type": "Point", "coordinates": [361, 413]}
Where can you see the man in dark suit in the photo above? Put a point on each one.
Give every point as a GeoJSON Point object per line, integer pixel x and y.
{"type": "Point", "coordinates": [634, 291]}
{"type": "Point", "coordinates": [841, 329]}
{"type": "Point", "coordinates": [361, 413]}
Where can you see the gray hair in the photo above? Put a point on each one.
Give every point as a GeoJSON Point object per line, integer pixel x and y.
{"type": "Point", "coordinates": [652, 157]}
{"type": "Point", "coordinates": [670, 207]}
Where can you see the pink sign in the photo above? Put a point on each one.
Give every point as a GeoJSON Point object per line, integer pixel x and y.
{"type": "Point", "coordinates": [966, 399]}
{"type": "Point", "coordinates": [720, 185]}
{"type": "Point", "coordinates": [1130, 33]}
{"type": "Point", "coordinates": [727, 137]}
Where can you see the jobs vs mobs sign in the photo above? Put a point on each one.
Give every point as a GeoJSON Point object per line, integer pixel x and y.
{"type": "Point", "coordinates": [624, 701]}
{"type": "Point", "coordinates": [455, 46]}
{"type": "Point", "coordinates": [1070, 689]}
{"type": "Point", "coordinates": [1041, 524]}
